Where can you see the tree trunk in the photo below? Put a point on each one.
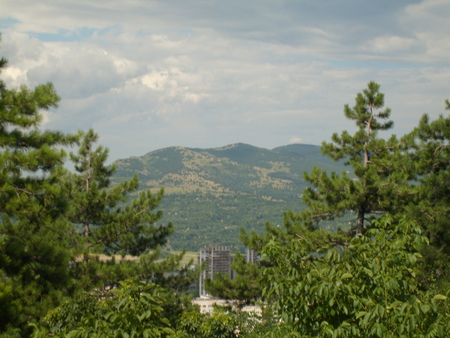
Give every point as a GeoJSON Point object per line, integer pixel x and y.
{"type": "Point", "coordinates": [360, 220]}
{"type": "Point", "coordinates": [86, 229]}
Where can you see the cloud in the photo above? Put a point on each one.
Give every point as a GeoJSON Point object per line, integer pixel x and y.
{"type": "Point", "coordinates": [149, 74]}
{"type": "Point", "coordinates": [295, 140]}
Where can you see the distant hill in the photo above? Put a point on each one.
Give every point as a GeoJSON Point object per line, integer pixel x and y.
{"type": "Point", "coordinates": [211, 193]}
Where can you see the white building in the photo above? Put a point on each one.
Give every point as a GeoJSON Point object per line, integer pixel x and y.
{"type": "Point", "coordinates": [207, 306]}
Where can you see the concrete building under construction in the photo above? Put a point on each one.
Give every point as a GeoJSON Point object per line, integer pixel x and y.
{"type": "Point", "coordinates": [217, 259]}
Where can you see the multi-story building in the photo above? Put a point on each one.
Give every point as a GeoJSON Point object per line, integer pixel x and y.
{"type": "Point", "coordinates": [252, 256]}
{"type": "Point", "coordinates": [217, 259]}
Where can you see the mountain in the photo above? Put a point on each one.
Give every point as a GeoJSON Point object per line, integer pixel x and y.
{"type": "Point", "coordinates": [211, 193]}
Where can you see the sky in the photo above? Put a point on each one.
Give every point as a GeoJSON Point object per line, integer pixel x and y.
{"type": "Point", "coordinates": [148, 74]}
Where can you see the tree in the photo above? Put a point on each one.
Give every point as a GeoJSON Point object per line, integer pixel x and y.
{"type": "Point", "coordinates": [365, 289]}
{"type": "Point", "coordinates": [375, 188]}
{"type": "Point", "coordinates": [140, 309]}
{"type": "Point", "coordinates": [222, 323]}
{"type": "Point", "coordinates": [136, 309]}
{"type": "Point", "coordinates": [34, 250]}
{"type": "Point", "coordinates": [44, 254]}
{"type": "Point", "coordinates": [111, 222]}
{"type": "Point", "coordinates": [108, 221]}
{"type": "Point", "coordinates": [247, 286]}
{"type": "Point", "coordinates": [375, 183]}
{"type": "Point", "coordinates": [429, 159]}
{"type": "Point", "coordinates": [330, 285]}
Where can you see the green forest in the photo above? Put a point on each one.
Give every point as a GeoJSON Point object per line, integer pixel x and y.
{"type": "Point", "coordinates": [65, 236]}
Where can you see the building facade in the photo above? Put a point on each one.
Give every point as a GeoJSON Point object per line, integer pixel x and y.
{"type": "Point", "coordinates": [217, 259]}
{"type": "Point", "coordinates": [252, 256]}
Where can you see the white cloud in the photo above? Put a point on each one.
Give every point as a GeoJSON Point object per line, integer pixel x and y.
{"type": "Point", "coordinates": [295, 140]}
{"type": "Point", "coordinates": [392, 44]}
{"type": "Point", "coordinates": [149, 74]}
{"type": "Point", "coordinates": [15, 76]}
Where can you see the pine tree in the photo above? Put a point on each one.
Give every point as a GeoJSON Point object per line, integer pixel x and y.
{"type": "Point", "coordinates": [429, 160]}
{"type": "Point", "coordinates": [42, 206]}
{"type": "Point", "coordinates": [110, 224]}
{"type": "Point", "coordinates": [375, 184]}
{"type": "Point", "coordinates": [34, 250]}
{"type": "Point", "coordinates": [116, 220]}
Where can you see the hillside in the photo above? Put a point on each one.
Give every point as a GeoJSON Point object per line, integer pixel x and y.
{"type": "Point", "coordinates": [211, 193]}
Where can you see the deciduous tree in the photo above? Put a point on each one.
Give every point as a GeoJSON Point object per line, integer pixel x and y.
{"type": "Point", "coordinates": [136, 309]}
{"type": "Point", "coordinates": [365, 289]}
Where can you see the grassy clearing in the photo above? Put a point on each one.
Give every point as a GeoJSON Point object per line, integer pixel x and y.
{"type": "Point", "coordinates": [187, 256]}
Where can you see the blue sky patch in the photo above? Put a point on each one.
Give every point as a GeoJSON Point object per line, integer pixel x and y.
{"type": "Point", "coordinates": [65, 35]}
{"type": "Point", "coordinates": [6, 22]}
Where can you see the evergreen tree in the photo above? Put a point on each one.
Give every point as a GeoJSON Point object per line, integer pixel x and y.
{"type": "Point", "coordinates": [367, 286]}
{"type": "Point", "coordinates": [375, 184]}
{"type": "Point", "coordinates": [244, 288]}
{"type": "Point", "coordinates": [34, 247]}
{"type": "Point", "coordinates": [108, 221]}
{"type": "Point", "coordinates": [372, 191]}
{"type": "Point", "coordinates": [116, 220]}
{"type": "Point", "coordinates": [44, 254]}
{"type": "Point", "coordinates": [429, 160]}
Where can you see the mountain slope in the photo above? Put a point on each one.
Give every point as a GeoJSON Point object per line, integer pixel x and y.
{"type": "Point", "coordinates": [211, 193]}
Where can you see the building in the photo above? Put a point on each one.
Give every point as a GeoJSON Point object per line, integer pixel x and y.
{"type": "Point", "coordinates": [207, 306]}
{"type": "Point", "coordinates": [252, 256]}
{"type": "Point", "coordinates": [217, 259]}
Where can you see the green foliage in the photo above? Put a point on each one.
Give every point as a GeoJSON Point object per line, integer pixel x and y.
{"type": "Point", "coordinates": [378, 184]}
{"type": "Point", "coordinates": [168, 272]}
{"type": "Point", "coordinates": [11, 333]}
{"type": "Point", "coordinates": [55, 227]}
{"type": "Point", "coordinates": [245, 287]}
{"type": "Point", "coordinates": [133, 310]}
{"type": "Point", "coordinates": [54, 223]}
{"type": "Point", "coordinates": [222, 323]}
{"type": "Point", "coordinates": [367, 288]}
{"type": "Point", "coordinates": [429, 159]}
{"type": "Point", "coordinates": [34, 240]}
{"type": "Point", "coordinates": [109, 224]}
{"type": "Point", "coordinates": [372, 285]}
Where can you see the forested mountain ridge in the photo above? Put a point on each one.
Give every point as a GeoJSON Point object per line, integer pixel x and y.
{"type": "Point", "coordinates": [208, 191]}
